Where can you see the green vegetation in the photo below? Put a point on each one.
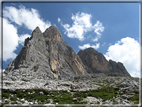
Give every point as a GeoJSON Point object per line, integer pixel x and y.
{"type": "Point", "coordinates": [104, 93]}
{"type": "Point", "coordinates": [43, 96]}
{"type": "Point", "coordinates": [7, 83]}
{"type": "Point", "coordinates": [32, 95]}
{"type": "Point", "coordinates": [135, 98]}
{"type": "Point", "coordinates": [66, 85]}
{"type": "Point", "coordinates": [60, 97]}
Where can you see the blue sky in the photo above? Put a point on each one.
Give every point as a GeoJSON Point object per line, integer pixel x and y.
{"type": "Point", "coordinates": [110, 28]}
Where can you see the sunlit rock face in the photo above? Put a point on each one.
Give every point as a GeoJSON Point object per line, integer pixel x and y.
{"type": "Point", "coordinates": [45, 56]}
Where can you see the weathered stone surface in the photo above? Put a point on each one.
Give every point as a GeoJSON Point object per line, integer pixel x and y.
{"type": "Point", "coordinates": [63, 60]}
{"type": "Point", "coordinates": [32, 61]}
{"type": "Point", "coordinates": [118, 69]}
{"type": "Point", "coordinates": [95, 62]}
{"type": "Point", "coordinates": [45, 56]}
{"type": "Point", "coordinates": [93, 100]}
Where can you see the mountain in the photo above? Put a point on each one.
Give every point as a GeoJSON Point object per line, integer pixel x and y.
{"type": "Point", "coordinates": [94, 60]}
{"type": "Point", "coordinates": [47, 56]}
{"type": "Point", "coordinates": [97, 63]}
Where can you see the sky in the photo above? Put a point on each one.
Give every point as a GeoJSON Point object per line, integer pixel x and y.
{"type": "Point", "coordinates": [110, 28]}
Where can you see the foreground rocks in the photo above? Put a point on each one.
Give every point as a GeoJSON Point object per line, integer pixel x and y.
{"type": "Point", "coordinates": [124, 91]}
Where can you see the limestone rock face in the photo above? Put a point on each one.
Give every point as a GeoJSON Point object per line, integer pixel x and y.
{"type": "Point", "coordinates": [94, 61]}
{"type": "Point", "coordinates": [45, 56]}
{"type": "Point", "coordinates": [97, 63]}
{"type": "Point", "coordinates": [118, 69]}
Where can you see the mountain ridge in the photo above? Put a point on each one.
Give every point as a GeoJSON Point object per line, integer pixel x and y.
{"type": "Point", "coordinates": [97, 63]}
{"type": "Point", "coordinates": [48, 71]}
{"type": "Point", "coordinates": [47, 56]}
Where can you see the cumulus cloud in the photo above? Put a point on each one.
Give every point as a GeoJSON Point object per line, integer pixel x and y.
{"type": "Point", "coordinates": [81, 25]}
{"type": "Point", "coordinates": [30, 18]}
{"type": "Point", "coordinates": [10, 40]}
{"type": "Point", "coordinates": [27, 17]}
{"type": "Point", "coordinates": [127, 51]}
{"type": "Point", "coordinates": [88, 45]}
{"type": "Point", "coordinates": [59, 19]}
{"type": "Point", "coordinates": [98, 27]}
{"type": "Point", "coordinates": [22, 38]}
{"type": "Point", "coordinates": [95, 40]}
{"type": "Point", "coordinates": [0, 43]}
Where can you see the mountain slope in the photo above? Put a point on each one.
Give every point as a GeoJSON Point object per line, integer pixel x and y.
{"type": "Point", "coordinates": [45, 56]}
{"type": "Point", "coordinates": [97, 63]}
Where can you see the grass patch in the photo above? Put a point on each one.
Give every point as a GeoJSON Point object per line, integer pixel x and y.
{"type": "Point", "coordinates": [63, 97]}
{"type": "Point", "coordinates": [105, 93]}
{"type": "Point", "coordinates": [31, 95]}
{"type": "Point", "coordinates": [7, 83]}
{"type": "Point", "coordinates": [135, 98]}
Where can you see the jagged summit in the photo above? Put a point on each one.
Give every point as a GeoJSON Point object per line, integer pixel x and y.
{"type": "Point", "coordinates": [52, 33]}
{"type": "Point", "coordinates": [37, 29]}
{"type": "Point", "coordinates": [94, 60]}
{"type": "Point", "coordinates": [47, 56]}
{"type": "Point", "coordinates": [97, 63]}
{"type": "Point", "coordinates": [90, 49]}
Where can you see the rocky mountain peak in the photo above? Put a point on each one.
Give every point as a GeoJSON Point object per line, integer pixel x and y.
{"type": "Point", "coordinates": [97, 63]}
{"type": "Point", "coordinates": [119, 68]}
{"type": "Point", "coordinates": [36, 31]}
{"type": "Point", "coordinates": [36, 34]}
{"type": "Point", "coordinates": [47, 56]}
{"type": "Point", "coordinates": [52, 33]}
{"type": "Point", "coordinates": [90, 49]}
{"type": "Point", "coordinates": [94, 60]}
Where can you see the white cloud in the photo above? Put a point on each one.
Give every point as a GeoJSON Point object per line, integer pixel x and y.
{"type": "Point", "coordinates": [81, 25]}
{"type": "Point", "coordinates": [127, 51]}
{"type": "Point", "coordinates": [10, 40]}
{"type": "Point", "coordinates": [28, 17]}
{"type": "Point", "coordinates": [59, 19]}
{"type": "Point", "coordinates": [22, 38]}
{"type": "Point", "coordinates": [95, 40]}
{"type": "Point", "coordinates": [0, 43]}
{"type": "Point", "coordinates": [88, 45]}
{"type": "Point", "coordinates": [98, 28]}
{"type": "Point", "coordinates": [103, 43]}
